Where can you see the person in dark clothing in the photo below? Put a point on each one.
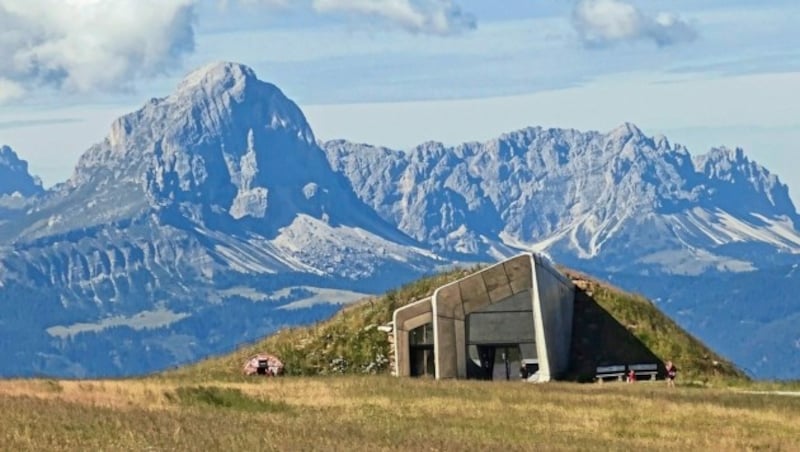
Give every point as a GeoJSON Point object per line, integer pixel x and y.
{"type": "Point", "coordinates": [672, 372]}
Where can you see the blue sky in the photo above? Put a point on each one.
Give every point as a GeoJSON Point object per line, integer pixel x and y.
{"type": "Point", "coordinates": [399, 72]}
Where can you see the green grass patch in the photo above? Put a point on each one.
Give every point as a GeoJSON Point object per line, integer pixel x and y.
{"type": "Point", "coordinates": [228, 398]}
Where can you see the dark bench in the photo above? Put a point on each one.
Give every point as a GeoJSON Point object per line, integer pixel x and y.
{"type": "Point", "coordinates": [650, 370]}
{"type": "Point", "coordinates": [616, 371]}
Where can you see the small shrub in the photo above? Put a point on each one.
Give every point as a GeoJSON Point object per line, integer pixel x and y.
{"type": "Point", "coordinates": [338, 365]}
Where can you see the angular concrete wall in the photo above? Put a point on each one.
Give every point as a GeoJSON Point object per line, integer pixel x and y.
{"type": "Point", "coordinates": [553, 302]}
{"type": "Point", "coordinates": [551, 298]}
{"type": "Point", "coordinates": [507, 321]}
{"type": "Point", "coordinates": [448, 331]}
{"type": "Point", "coordinates": [452, 303]}
{"type": "Point", "coordinates": [406, 319]}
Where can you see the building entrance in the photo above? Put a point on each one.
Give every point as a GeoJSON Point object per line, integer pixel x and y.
{"type": "Point", "coordinates": [422, 364]}
{"type": "Point", "coordinates": [496, 362]}
{"type": "Point", "coordinates": [420, 352]}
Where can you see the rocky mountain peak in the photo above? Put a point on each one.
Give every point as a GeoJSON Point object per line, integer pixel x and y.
{"type": "Point", "coordinates": [719, 162]}
{"type": "Point", "coordinates": [212, 104]}
{"type": "Point", "coordinates": [14, 175]}
{"type": "Point", "coordinates": [229, 95]}
{"type": "Point", "coordinates": [625, 130]}
{"type": "Point", "coordinates": [736, 182]}
{"type": "Point", "coordinates": [220, 132]}
{"type": "Point", "coordinates": [225, 148]}
{"type": "Point", "coordinates": [217, 77]}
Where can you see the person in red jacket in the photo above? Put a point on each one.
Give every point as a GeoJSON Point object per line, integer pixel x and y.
{"type": "Point", "coordinates": [631, 376]}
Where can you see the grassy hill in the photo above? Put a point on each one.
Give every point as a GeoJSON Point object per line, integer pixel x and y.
{"type": "Point", "coordinates": [210, 406]}
{"type": "Point", "coordinates": [349, 342]}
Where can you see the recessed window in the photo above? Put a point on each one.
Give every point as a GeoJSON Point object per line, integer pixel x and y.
{"type": "Point", "coordinates": [422, 335]}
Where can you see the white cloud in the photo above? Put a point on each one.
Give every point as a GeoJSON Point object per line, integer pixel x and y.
{"type": "Point", "coordinates": [103, 45]}
{"type": "Point", "coordinates": [9, 90]}
{"type": "Point", "coordinates": [439, 17]}
{"type": "Point", "coordinates": [84, 45]}
{"type": "Point", "coordinates": [606, 22]}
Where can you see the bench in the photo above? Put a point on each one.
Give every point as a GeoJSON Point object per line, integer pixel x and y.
{"type": "Point", "coordinates": [650, 370]}
{"type": "Point", "coordinates": [603, 372]}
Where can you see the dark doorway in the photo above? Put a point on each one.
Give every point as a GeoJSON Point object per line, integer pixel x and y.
{"type": "Point", "coordinates": [495, 362]}
{"type": "Point", "coordinates": [422, 363]}
{"type": "Point", "coordinates": [486, 354]}
{"type": "Point", "coordinates": [420, 351]}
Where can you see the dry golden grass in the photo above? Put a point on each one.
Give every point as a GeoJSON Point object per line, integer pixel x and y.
{"type": "Point", "coordinates": [211, 406]}
{"type": "Point", "coordinates": [385, 413]}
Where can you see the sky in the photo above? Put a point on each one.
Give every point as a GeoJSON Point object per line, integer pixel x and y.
{"type": "Point", "coordinates": [400, 72]}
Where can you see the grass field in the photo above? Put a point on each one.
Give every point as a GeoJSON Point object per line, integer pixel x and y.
{"type": "Point", "coordinates": [385, 413]}
{"type": "Point", "coordinates": [338, 396]}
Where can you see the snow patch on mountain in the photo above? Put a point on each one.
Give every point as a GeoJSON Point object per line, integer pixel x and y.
{"type": "Point", "coordinates": [346, 251]}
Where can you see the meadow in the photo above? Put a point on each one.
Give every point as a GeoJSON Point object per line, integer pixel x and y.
{"type": "Point", "coordinates": [337, 395]}
{"type": "Point", "coordinates": [385, 413]}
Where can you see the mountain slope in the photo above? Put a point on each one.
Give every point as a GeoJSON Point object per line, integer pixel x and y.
{"type": "Point", "coordinates": [213, 199]}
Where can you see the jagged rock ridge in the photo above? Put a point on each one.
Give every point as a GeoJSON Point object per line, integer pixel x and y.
{"type": "Point", "coordinates": [620, 197]}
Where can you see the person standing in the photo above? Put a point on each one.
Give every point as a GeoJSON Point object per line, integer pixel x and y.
{"type": "Point", "coordinates": [672, 372]}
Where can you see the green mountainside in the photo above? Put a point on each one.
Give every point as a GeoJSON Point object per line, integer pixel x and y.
{"type": "Point", "coordinates": [610, 326]}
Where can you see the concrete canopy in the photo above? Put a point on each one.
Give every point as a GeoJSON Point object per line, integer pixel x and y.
{"type": "Point", "coordinates": [527, 275]}
{"type": "Point", "coordinates": [406, 319]}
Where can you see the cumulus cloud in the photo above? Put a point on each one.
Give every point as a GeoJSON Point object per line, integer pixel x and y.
{"type": "Point", "coordinates": [607, 22]}
{"type": "Point", "coordinates": [97, 45]}
{"type": "Point", "coordinates": [439, 17]}
{"type": "Point", "coordinates": [83, 45]}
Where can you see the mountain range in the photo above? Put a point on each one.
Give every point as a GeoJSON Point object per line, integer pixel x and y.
{"type": "Point", "coordinates": [213, 216]}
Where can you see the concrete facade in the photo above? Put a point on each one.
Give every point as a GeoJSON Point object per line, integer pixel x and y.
{"type": "Point", "coordinates": [522, 307]}
{"type": "Point", "coordinates": [405, 320]}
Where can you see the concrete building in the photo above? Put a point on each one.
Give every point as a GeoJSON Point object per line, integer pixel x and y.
{"type": "Point", "coordinates": [509, 321]}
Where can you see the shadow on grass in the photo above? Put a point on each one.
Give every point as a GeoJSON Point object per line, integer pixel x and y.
{"type": "Point", "coordinates": [598, 339]}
